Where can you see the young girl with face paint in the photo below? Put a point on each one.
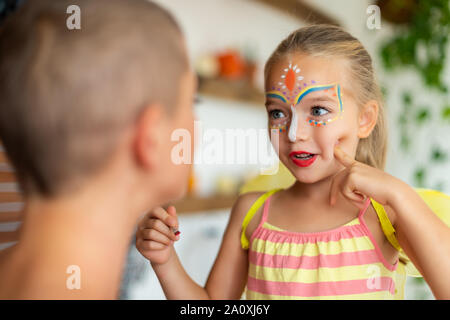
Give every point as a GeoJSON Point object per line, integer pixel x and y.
{"type": "Point", "coordinates": [337, 232]}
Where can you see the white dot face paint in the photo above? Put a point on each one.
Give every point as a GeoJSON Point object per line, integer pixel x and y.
{"type": "Point", "coordinates": [293, 127]}
{"type": "Point", "coordinates": [291, 90]}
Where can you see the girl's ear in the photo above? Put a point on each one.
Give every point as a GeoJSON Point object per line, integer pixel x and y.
{"type": "Point", "coordinates": [367, 119]}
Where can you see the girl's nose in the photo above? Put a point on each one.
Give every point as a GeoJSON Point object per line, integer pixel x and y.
{"type": "Point", "coordinates": [298, 130]}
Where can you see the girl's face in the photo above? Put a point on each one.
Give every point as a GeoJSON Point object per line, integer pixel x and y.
{"type": "Point", "coordinates": [309, 104]}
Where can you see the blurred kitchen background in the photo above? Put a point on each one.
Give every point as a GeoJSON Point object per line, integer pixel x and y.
{"type": "Point", "coordinates": [229, 42]}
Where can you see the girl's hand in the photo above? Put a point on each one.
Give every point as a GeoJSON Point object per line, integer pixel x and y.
{"type": "Point", "coordinates": [358, 181]}
{"type": "Point", "coordinates": [155, 236]}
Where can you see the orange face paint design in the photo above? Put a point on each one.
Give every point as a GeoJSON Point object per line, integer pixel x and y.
{"type": "Point", "coordinates": [290, 79]}
{"type": "Point", "coordinates": [292, 90]}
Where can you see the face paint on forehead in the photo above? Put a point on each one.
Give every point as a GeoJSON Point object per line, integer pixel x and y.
{"type": "Point", "coordinates": [291, 89]}
{"type": "Point", "coordinates": [337, 93]}
{"type": "Point", "coordinates": [288, 86]}
{"type": "Point", "coordinates": [315, 121]}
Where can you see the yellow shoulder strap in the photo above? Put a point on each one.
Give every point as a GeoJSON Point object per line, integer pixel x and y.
{"type": "Point", "coordinates": [251, 212]}
{"type": "Point", "coordinates": [386, 225]}
{"type": "Point", "coordinates": [405, 265]}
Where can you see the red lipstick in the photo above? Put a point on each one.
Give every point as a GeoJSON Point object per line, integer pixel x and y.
{"type": "Point", "coordinates": [302, 158]}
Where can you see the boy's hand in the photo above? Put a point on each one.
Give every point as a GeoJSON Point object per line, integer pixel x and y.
{"type": "Point", "coordinates": [358, 181]}
{"type": "Point", "coordinates": [154, 237]}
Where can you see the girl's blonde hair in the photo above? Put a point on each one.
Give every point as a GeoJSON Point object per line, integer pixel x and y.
{"type": "Point", "coordinates": [333, 42]}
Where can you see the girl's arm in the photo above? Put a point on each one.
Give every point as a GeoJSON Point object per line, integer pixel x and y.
{"type": "Point", "coordinates": [228, 276]}
{"type": "Point", "coordinates": [421, 234]}
{"type": "Point", "coordinates": [423, 237]}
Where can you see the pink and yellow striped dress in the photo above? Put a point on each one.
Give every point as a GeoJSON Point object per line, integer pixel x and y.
{"type": "Point", "coordinates": [342, 263]}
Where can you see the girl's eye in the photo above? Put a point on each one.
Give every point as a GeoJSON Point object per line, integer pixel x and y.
{"type": "Point", "coordinates": [319, 111]}
{"type": "Point", "coordinates": [276, 114]}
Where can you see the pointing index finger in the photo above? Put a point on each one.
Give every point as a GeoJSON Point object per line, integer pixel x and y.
{"type": "Point", "coordinates": [342, 157]}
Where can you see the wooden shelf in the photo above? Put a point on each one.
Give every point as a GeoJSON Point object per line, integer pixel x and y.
{"type": "Point", "coordinates": [236, 90]}
{"type": "Point", "coordinates": [301, 10]}
{"type": "Point", "coordinates": [194, 204]}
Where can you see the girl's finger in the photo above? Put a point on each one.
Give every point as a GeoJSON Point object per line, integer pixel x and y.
{"type": "Point", "coordinates": [151, 245]}
{"type": "Point", "coordinates": [349, 191]}
{"type": "Point", "coordinates": [161, 227]}
{"type": "Point", "coordinates": [162, 215]}
{"type": "Point", "coordinates": [342, 157]}
{"type": "Point", "coordinates": [354, 197]}
{"type": "Point", "coordinates": [144, 220]}
{"type": "Point", "coordinates": [155, 235]}
{"type": "Point", "coordinates": [342, 183]}
{"type": "Point", "coordinates": [172, 211]}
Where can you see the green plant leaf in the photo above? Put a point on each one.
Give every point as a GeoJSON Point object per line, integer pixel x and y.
{"type": "Point", "coordinates": [419, 177]}
{"type": "Point", "coordinates": [429, 25]}
{"type": "Point", "coordinates": [422, 115]}
{"type": "Point", "coordinates": [438, 155]}
{"type": "Point", "coordinates": [407, 98]}
{"type": "Point", "coordinates": [405, 142]}
{"type": "Point", "coordinates": [446, 113]}
{"type": "Point", "coordinates": [428, 29]}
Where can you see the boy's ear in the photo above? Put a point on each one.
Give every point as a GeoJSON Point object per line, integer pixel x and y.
{"type": "Point", "coordinates": [367, 118]}
{"type": "Point", "coordinates": [147, 141]}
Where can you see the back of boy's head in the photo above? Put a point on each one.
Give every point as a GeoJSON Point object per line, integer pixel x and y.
{"type": "Point", "coordinates": [66, 95]}
{"type": "Point", "coordinates": [333, 42]}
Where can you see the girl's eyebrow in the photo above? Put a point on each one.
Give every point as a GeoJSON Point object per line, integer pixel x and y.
{"type": "Point", "coordinates": [273, 101]}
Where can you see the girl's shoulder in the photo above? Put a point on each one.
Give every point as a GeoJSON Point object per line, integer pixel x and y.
{"type": "Point", "coordinates": [249, 219]}
{"type": "Point", "coordinates": [240, 209]}
{"type": "Point", "coordinates": [243, 204]}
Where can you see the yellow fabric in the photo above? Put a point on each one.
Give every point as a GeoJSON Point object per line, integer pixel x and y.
{"type": "Point", "coordinates": [438, 202]}
{"type": "Point", "coordinates": [251, 212]}
{"type": "Point", "coordinates": [386, 225]}
{"type": "Point", "coordinates": [281, 180]}
{"type": "Point", "coordinates": [378, 295]}
{"type": "Point", "coordinates": [303, 249]}
{"type": "Point", "coordinates": [405, 264]}
{"type": "Point", "coordinates": [343, 273]}
{"type": "Point", "coordinates": [400, 281]}
{"type": "Point", "coordinates": [305, 275]}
